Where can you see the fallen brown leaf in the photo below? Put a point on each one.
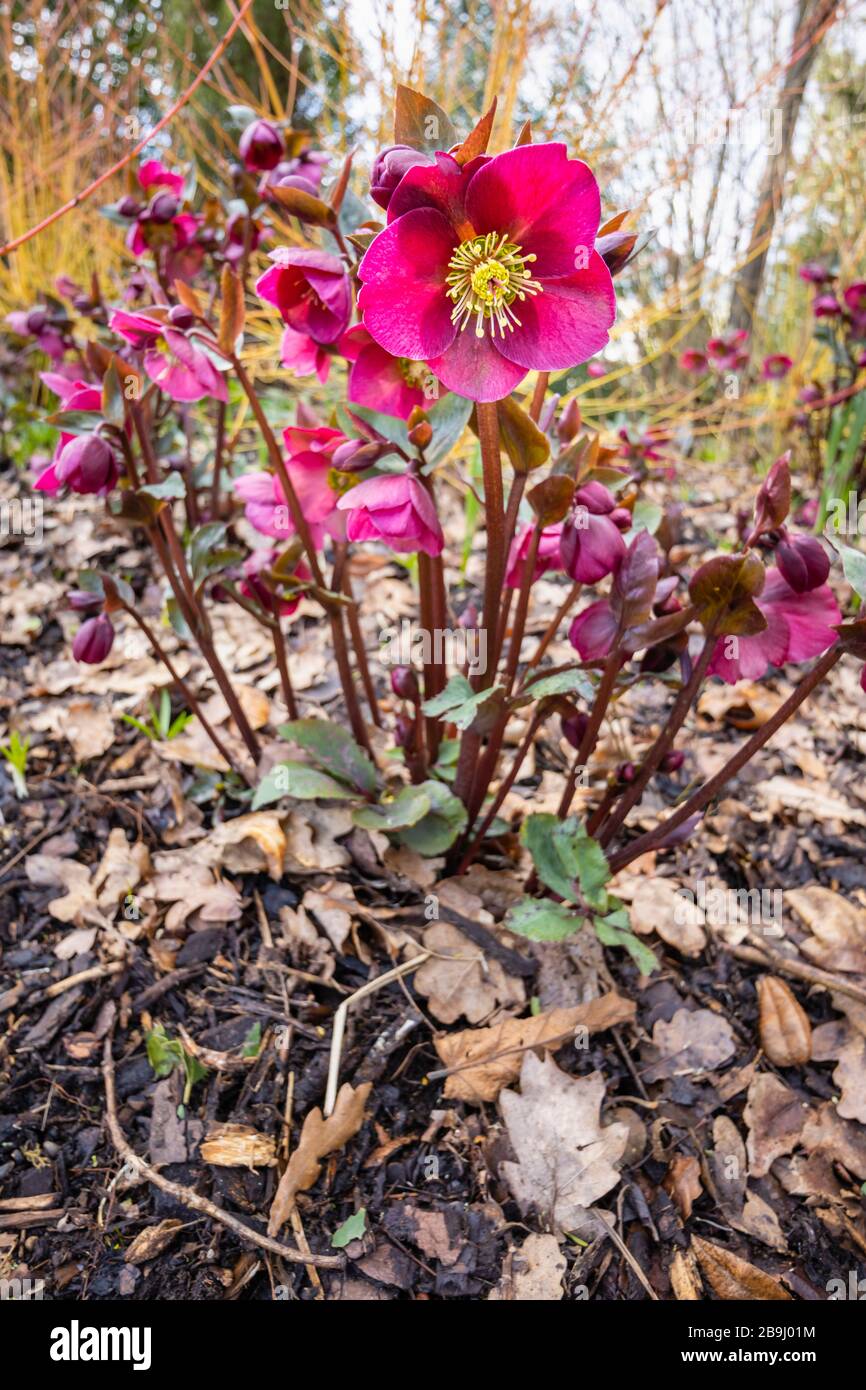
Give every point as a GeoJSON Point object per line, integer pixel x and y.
{"type": "Point", "coordinates": [682, 1182]}
{"type": "Point", "coordinates": [658, 907]}
{"type": "Point", "coordinates": [786, 1033]}
{"type": "Point", "coordinates": [775, 1117]}
{"type": "Point", "coordinates": [732, 1278]}
{"type": "Point", "coordinates": [460, 980]}
{"type": "Point", "coordinates": [695, 1040]}
{"type": "Point", "coordinates": [152, 1241]}
{"type": "Point", "coordinates": [532, 1274]}
{"type": "Point", "coordinates": [318, 1138]}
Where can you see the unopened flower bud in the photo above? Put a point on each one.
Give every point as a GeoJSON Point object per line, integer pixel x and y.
{"type": "Point", "coordinates": [626, 773]}
{"type": "Point", "coordinates": [621, 517]}
{"type": "Point", "coordinates": [404, 683]}
{"type": "Point", "coordinates": [181, 317]}
{"type": "Point", "coordinates": [421, 434]}
{"type": "Point", "coordinates": [37, 319]}
{"type": "Point", "coordinates": [93, 640]}
{"type": "Point", "coordinates": [87, 464]}
{"type": "Point", "coordinates": [673, 761]}
{"type": "Point", "coordinates": [129, 206]}
{"type": "Point", "coordinates": [261, 146]}
{"type": "Point", "coordinates": [82, 599]}
{"type": "Point", "coordinates": [162, 207]}
{"type": "Point", "coordinates": [573, 727]}
{"type": "Point", "coordinates": [569, 422]}
{"type": "Point", "coordinates": [404, 729]}
{"type": "Point", "coordinates": [803, 562]}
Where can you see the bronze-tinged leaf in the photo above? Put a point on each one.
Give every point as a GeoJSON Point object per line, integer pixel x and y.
{"type": "Point", "coordinates": [525, 444]}
{"type": "Point", "coordinates": [113, 407]}
{"type": "Point", "coordinates": [682, 1182]}
{"type": "Point", "coordinates": [319, 1137]}
{"type": "Point", "coordinates": [338, 192]}
{"type": "Point", "coordinates": [551, 499]}
{"type": "Point", "coordinates": [732, 1278]}
{"type": "Point", "coordinates": [420, 122]}
{"type": "Point", "coordinates": [635, 583]}
{"type": "Point", "coordinates": [478, 139]}
{"type": "Point", "coordinates": [138, 508]}
{"type": "Point", "coordinates": [524, 136]}
{"type": "Point", "coordinates": [613, 224]}
{"type": "Point", "coordinates": [786, 1033]}
{"type": "Point", "coordinates": [188, 297]}
{"type": "Point", "coordinates": [723, 591]}
{"type": "Point", "coordinates": [231, 311]}
{"type": "Point", "coordinates": [307, 206]}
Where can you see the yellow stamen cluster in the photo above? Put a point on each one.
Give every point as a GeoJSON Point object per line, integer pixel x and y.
{"type": "Point", "coordinates": [486, 275]}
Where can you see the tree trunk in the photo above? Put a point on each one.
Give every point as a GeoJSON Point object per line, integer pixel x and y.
{"type": "Point", "coordinates": [814, 18]}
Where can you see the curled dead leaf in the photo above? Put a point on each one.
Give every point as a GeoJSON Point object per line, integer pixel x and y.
{"type": "Point", "coordinates": [732, 1278]}
{"type": "Point", "coordinates": [682, 1182]}
{"type": "Point", "coordinates": [152, 1241]}
{"type": "Point", "coordinates": [319, 1137]}
{"type": "Point", "coordinates": [786, 1033]}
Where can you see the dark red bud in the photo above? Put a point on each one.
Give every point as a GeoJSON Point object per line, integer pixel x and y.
{"type": "Point", "coordinates": [181, 316]}
{"type": "Point", "coordinates": [404, 683]}
{"type": "Point", "coordinates": [673, 761]}
{"type": "Point", "coordinates": [625, 773]}
{"type": "Point", "coordinates": [82, 599]}
{"type": "Point", "coordinates": [261, 146]}
{"type": "Point", "coordinates": [162, 207]}
{"type": "Point", "coordinates": [93, 640]}
{"type": "Point", "coordinates": [129, 206]}
{"type": "Point", "coordinates": [573, 728]}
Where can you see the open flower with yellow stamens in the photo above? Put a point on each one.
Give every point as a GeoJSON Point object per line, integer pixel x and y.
{"type": "Point", "coordinates": [489, 270]}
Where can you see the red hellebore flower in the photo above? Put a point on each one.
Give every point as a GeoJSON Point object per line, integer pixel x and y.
{"type": "Point", "coordinates": [726, 353]}
{"type": "Point", "coordinates": [396, 509]}
{"type": "Point", "coordinates": [547, 556]}
{"type": "Point", "coordinates": [74, 394]}
{"type": "Point", "coordinates": [254, 587]}
{"type": "Point", "coordinates": [86, 465]}
{"type": "Point", "coordinates": [814, 273]}
{"type": "Point", "coordinates": [93, 640]}
{"type": "Point", "coordinates": [591, 545]}
{"type": "Point", "coordinates": [855, 297]}
{"type": "Point", "coordinates": [826, 306]}
{"type": "Point", "coordinates": [393, 385]}
{"type": "Point", "coordinates": [489, 271]}
{"type": "Point", "coordinates": [177, 364]}
{"type": "Point", "coordinates": [154, 174]}
{"type": "Point", "coordinates": [302, 356]}
{"type": "Point", "coordinates": [799, 626]}
{"type": "Point", "coordinates": [261, 146]}
{"type": "Point", "coordinates": [776, 366]}
{"type": "Point", "coordinates": [311, 290]}
{"type": "Point", "coordinates": [310, 467]}
{"type": "Point", "coordinates": [692, 360]}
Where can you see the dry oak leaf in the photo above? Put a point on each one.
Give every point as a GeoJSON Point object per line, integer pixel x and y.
{"type": "Point", "coordinates": [565, 1157]}
{"type": "Point", "coordinates": [658, 906]}
{"type": "Point", "coordinates": [249, 843]}
{"type": "Point", "coordinates": [483, 1047]}
{"type": "Point", "coordinates": [152, 1241]}
{"type": "Point", "coordinates": [850, 1077]}
{"type": "Point", "coordinates": [694, 1041]}
{"type": "Point", "coordinates": [238, 1146]}
{"type": "Point", "coordinates": [682, 1182]}
{"type": "Point", "coordinates": [802, 795]}
{"type": "Point", "coordinates": [78, 904]}
{"type": "Point", "coordinates": [838, 928]}
{"type": "Point", "coordinates": [89, 727]}
{"type": "Point", "coordinates": [826, 1132]}
{"type": "Point", "coordinates": [532, 1274]}
{"type": "Point", "coordinates": [745, 1211]}
{"type": "Point", "coordinates": [775, 1117]}
{"type": "Point", "coordinates": [684, 1277]}
{"type": "Point", "coordinates": [122, 868]}
{"type": "Point", "coordinates": [318, 1138]}
{"type": "Point", "coordinates": [732, 1278]}
{"type": "Point", "coordinates": [786, 1033]}
{"type": "Point", "coordinates": [460, 980]}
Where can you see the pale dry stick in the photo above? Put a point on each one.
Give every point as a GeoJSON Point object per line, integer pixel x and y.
{"type": "Point", "coordinates": [96, 972]}
{"type": "Point", "coordinates": [340, 1022]}
{"type": "Point", "coordinates": [185, 1195]}
{"type": "Point", "coordinates": [127, 158]}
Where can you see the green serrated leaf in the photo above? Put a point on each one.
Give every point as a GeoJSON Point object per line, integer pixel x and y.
{"type": "Point", "coordinates": [458, 703]}
{"type": "Point", "coordinates": [300, 781]}
{"type": "Point", "coordinates": [539, 919]}
{"type": "Point", "coordinates": [334, 750]}
{"type": "Point", "coordinates": [563, 683]}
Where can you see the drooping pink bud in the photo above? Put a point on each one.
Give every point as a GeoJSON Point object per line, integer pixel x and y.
{"type": "Point", "coordinates": [626, 773]}
{"type": "Point", "coordinates": [404, 684]}
{"type": "Point", "coordinates": [129, 206]}
{"type": "Point", "coordinates": [80, 600]}
{"type": "Point", "coordinates": [573, 727]}
{"type": "Point", "coordinates": [181, 316]}
{"type": "Point", "coordinates": [803, 562]}
{"type": "Point", "coordinates": [87, 464]}
{"type": "Point", "coordinates": [826, 306]}
{"type": "Point", "coordinates": [673, 761]}
{"type": "Point", "coordinates": [93, 640]}
{"type": "Point", "coordinates": [814, 273]}
{"type": "Point", "coordinates": [591, 545]}
{"type": "Point", "coordinates": [162, 208]}
{"type": "Point", "coordinates": [261, 146]}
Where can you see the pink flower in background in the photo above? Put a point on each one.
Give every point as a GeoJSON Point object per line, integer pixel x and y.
{"type": "Point", "coordinates": [310, 467]}
{"type": "Point", "coordinates": [302, 356]}
{"type": "Point", "coordinates": [799, 626]}
{"type": "Point", "coordinates": [261, 146]}
{"type": "Point", "coordinates": [393, 385]}
{"type": "Point", "coordinates": [546, 558]}
{"type": "Point", "coordinates": [776, 366]}
{"type": "Point", "coordinates": [488, 271]}
{"type": "Point", "coordinates": [592, 544]}
{"type": "Point", "coordinates": [253, 585]}
{"type": "Point", "coordinates": [234, 242]}
{"type": "Point", "coordinates": [154, 174]}
{"type": "Point", "coordinates": [855, 298]}
{"type": "Point", "coordinates": [36, 323]}
{"type": "Point", "coordinates": [86, 464]}
{"type": "Point", "coordinates": [826, 306]}
{"type": "Point", "coordinates": [814, 273]}
{"type": "Point", "coordinates": [647, 447]}
{"type": "Point", "coordinates": [74, 394]}
{"type": "Point", "coordinates": [593, 630]}
{"type": "Point", "coordinates": [311, 290]}
{"type": "Point", "coordinates": [395, 509]}
{"type": "Point", "coordinates": [727, 353]}
{"type": "Point", "coordinates": [692, 360]}
{"type": "Point", "coordinates": [596, 370]}
{"type": "Point", "coordinates": [388, 169]}
{"type": "Point", "coordinates": [177, 363]}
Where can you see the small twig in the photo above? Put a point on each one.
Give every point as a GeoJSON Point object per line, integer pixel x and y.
{"type": "Point", "coordinates": [185, 1195]}
{"type": "Point", "coordinates": [342, 1013]}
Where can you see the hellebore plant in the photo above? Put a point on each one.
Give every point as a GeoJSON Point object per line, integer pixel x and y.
{"type": "Point", "coordinates": [488, 267]}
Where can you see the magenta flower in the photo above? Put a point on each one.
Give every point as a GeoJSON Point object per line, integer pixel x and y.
{"type": "Point", "coordinates": [776, 366]}
{"type": "Point", "coordinates": [489, 271]}
{"type": "Point", "coordinates": [253, 585]}
{"type": "Point", "coordinates": [596, 370]}
{"type": "Point", "coordinates": [826, 306]}
{"type": "Point", "coordinates": [36, 323]}
{"type": "Point", "coordinates": [302, 356]}
{"type": "Point", "coordinates": [154, 174]}
{"type": "Point", "coordinates": [591, 545]}
{"type": "Point", "coordinates": [692, 360]}
{"type": "Point", "coordinates": [593, 630]}
{"type": "Point", "coordinates": [74, 394]}
{"type": "Point", "coordinates": [802, 561]}
{"type": "Point", "coordinates": [396, 509]}
{"type": "Point", "coordinates": [93, 640]}
{"type": "Point", "coordinates": [392, 385]}
{"type": "Point", "coordinates": [547, 556]}
{"type": "Point", "coordinates": [726, 353]}
{"type": "Point", "coordinates": [261, 146]}
{"type": "Point", "coordinates": [388, 169]}
{"type": "Point", "coordinates": [855, 297]}
{"type": "Point", "coordinates": [176, 362]}
{"type": "Point", "coordinates": [234, 242]}
{"type": "Point", "coordinates": [814, 273]}
{"type": "Point", "coordinates": [86, 464]}
{"type": "Point", "coordinates": [311, 290]}
{"type": "Point", "coordinates": [799, 626]}
{"type": "Point", "coordinates": [311, 469]}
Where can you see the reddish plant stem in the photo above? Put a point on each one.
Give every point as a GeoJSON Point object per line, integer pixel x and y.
{"type": "Point", "coordinates": [334, 610]}
{"type": "Point", "coordinates": [360, 650]}
{"type": "Point", "coordinates": [663, 744]}
{"type": "Point", "coordinates": [701, 798]}
{"type": "Point", "coordinates": [538, 396]}
{"type": "Point", "coordinates": [515, 497]}
{"type": "Point", "coordinates": [554, 625]}
{"type": "Point", "coordinates": [503, 790]}
{"type": "Point", "coordinates": [282, 660]}
{"type": "Point", "coordinates": [433, 670]}
{"type": "Point", "coordinates": [218, 449]}
{"type": "Point", "coordinates": [587, 743]}
{"type": "Point", "coordinates": [186, 692]}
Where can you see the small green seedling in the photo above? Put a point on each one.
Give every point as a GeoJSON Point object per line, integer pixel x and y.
{"type": "Point", "coordinates": [161, 726]}
{"type": "Point", "coordinates": [15, 753]}
{"type": "Point", "coordinates": [165, 1053]}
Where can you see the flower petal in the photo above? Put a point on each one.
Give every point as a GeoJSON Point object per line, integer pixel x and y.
{"type": "Point", "coordinates": [566, 323]}
{"type": "Point", "coordinates": [403, 298]}
{"type": "Point", "coordinates": [473, 367]}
